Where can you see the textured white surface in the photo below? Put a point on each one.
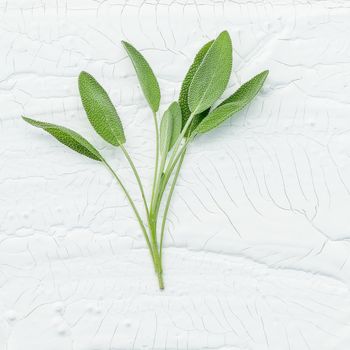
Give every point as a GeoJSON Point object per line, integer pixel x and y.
{"type": "Point", "coordinates": [257, 248]}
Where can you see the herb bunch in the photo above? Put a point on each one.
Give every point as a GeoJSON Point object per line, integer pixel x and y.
{"type": "Point", "coordinates": [196, 112]}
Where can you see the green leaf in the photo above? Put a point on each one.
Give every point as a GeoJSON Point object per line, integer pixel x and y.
{"type": "Point", "coordinates": [147, 79]}
{"type": "Point", "coordinates": [68, 137]}
{"type": "Point", "coordinates": [100, 110]}
{"type": "Point", "coordinates": [166, 130]}
{"type": "Point", "coordinates": [196, 121]}
{"type": "Point", "coordinates": [175, 112]}
{"type": "Point", "coordinates": [212, 76]}
{"type": "Point", "coordinates": [218, 116]}
{"type": "Point", "coordinates": [170, 127]}
{"type": "Point", "coordinates": [248, 90]}
{"type": "Point", "coordinates": [233, 104]}
{"type": "Point", "coordinates": [183, 98]}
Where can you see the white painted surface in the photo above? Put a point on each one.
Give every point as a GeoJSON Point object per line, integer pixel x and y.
{"type": "Point", "coordinates": [259, 254]}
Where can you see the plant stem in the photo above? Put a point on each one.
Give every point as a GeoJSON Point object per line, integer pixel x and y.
{"type": "Point", "coordinates": [137, 176]}
{"type": "Point", "coordinates": [157, 262]}
{"type": "Point", "coordinates": [160, 280]}
{"type": "Point", "coordinates": [153, 218]}
{"type": "Point", "coordinates": [161, 183]}
{"type": "Point", "coordinates": [168, 173]}
{"type": "Point", "coordinates": [158, 188]}
{"type": "Point", "coordinates": [179, 139]}
{"type": "Point", "coordinates": [143, 228]}
{"type": "Point", "coordinates": [156, 161]}
{"type": "Point", "coordinates": [167, 205]}
{"type": "Point", "coordinates": [158, 197]}
{"type": "Point", "coordinates": [156, 203]}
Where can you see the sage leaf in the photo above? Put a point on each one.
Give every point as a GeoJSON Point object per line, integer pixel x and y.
{"type": "Point", "coordinates": [234, 103]}
{"type": "Point", "coordinates": [212, 76]}
{"type": "Point", "coordinates": [147, 79]}
{"type": "Point", "coordinates": [68, 137]}
{"type": "Point", "coordinates": [248, 90]}
{"type": "Point", "coordinates": [183, 97]}
{"type": "Point", "coordinates": [175, 111]}
{"type": "Point", "coordinates": [100, 110]}
{"type": "Point", "coordinates": [195, 122]}
{"type": "Point", "coordinates": [165, 130]}
{"type": "Point", "coordinates": [218, 116]}
{"type": "Point", "coordinates": [197, 109]}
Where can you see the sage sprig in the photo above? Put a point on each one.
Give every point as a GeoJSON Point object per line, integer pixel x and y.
{"type": "Point", "coordinates": [183, 121]}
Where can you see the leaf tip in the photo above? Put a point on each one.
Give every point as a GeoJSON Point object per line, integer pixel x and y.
{"type": "Point", "coordinates": [27, 120]}
{"type": "Point", "coordinates": [225, 34]}
{"type": "Point", "coordinates": [83, 75]}
{"type": "Point", "coordinates": [126, 45]}
{"type": "Point", "coordinates": [81, 78]}
{"type": "Point", "coordinates": [264, 75]}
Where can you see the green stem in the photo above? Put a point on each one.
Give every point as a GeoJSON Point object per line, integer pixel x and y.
{"type": "Point", "coordinates": [137, 176]}
{"type": "Point", "coordinates": [167, 205]}
{"type": "Point", "coordinates": [156, 161]}
{"type": "Point", "coordinates": [153, 218]}
{"type": "Point", "coordinates": [179, 139]}
{"type": "Point", "coordinates": [154, 213]}
{"type": "Point", "coordinates": [157, 262]}
{"type": "Point", "coordinates": [160, 280]}
{"type": "Point", "coordinates": [157, 184]}
{"type": "Point", "coordinates": [167, 175]}
{"type": "Point", "coordinates": [162, 182]}
{"type": "Point", "coordinates": [143, 228]}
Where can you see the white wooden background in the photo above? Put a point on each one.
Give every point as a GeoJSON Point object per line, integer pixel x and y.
{"type": "Point", "coordinates": [257, 246]}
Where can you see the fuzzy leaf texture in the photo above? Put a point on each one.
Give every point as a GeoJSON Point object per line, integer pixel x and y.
{"type": "Point", "coordinates": [166, 130]}
{"type": "Point", "coordinates": [218, 116]}
{"type": "Point", "coordinates": [100, 110]}
{"type": "Point", "coordinates": [212, 76]}
{"type": "Point", "coordinates": [248, 90]}
{"type": "Point", "coordinates": [183, 98]}
{"type": "Point", "coordinates": [237, 101]}
{"type": "Point", "coordinates": [175, 111]}
{"type": "Point", "coordinates": [147, 79]}
{"type": "Point", "coordinates": [68, 137]}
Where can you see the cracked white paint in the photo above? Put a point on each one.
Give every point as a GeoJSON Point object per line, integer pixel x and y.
{"type": "Point", "coordinates": [257, 249]}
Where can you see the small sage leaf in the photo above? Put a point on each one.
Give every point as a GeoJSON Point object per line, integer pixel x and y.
{"type": "Point", "coordinates": [212, 76]}
{"type": "Point", "coordinates": [175, 112]}
{"type": "Point", "coordinates": [68, 137]}
{"type": "Point", "coordinates": [100, 110]}
{"type": "Point", "coordinates": [166, 130]}
{"type": "Point", "coordinates": [218, 116]}
{"type": "Point", "coordinates": [237, 101]}
{"type": "Point", "coordinates": [183, 98]}
{"type": "Point", "coordinates": [248, 90]}
{"type": "Point", "coordinates": [195, 122]}
{"type": "Point", "coordinates": [147, 79]}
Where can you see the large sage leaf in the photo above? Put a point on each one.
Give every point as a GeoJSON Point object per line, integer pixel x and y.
{"type": "Point", "coordinates": [183, 98]}
{"type": "Point", "coordinates": [68, 137]}
{"type": "Point", "coordinates": [100, 110]}
{"type": "Point", "coordinates": [147, 79]}
{"type": "Point", "coordinates": [212, 76]}
{"type": "Point", "coordinates": [248, 90]}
